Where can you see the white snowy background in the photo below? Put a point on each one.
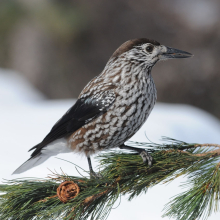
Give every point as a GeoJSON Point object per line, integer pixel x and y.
{"type": "Point", "coordinates": [26, 117]}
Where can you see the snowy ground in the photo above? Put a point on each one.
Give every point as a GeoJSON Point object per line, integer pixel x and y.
{"type": "Point", "coordinates": [26, 117]}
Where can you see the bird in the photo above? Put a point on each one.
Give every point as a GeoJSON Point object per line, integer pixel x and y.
{"type": "Point", "coordinates": [111, 108]}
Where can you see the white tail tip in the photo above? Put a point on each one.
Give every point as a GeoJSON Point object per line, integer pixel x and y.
{"type": "Point", "coordinates": [32, 162]}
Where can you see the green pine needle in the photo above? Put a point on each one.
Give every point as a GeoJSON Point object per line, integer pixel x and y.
{"type": "Point", "coordinates": [122, 173]}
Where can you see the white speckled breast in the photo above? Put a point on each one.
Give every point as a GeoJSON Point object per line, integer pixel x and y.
{"type": "Point", "coordinates": [134, 101]}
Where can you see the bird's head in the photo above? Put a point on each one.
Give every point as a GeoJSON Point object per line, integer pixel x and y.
{"type": "Point", "coordinates": [147, 51]}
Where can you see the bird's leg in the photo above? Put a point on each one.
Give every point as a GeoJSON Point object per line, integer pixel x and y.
{"type": "Point", "coordinates": [142, 152]}
{"type": "Point", "coordinates": [92, 173]}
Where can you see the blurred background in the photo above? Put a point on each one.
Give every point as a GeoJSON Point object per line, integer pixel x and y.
{"type": "Point", "coordinates": [60, 45]}
{"type": "Point", "coordinates": [50, 49]}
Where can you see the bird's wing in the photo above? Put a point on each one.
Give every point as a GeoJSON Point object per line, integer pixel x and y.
{"type": "Point", "coordinates": [88, 107]}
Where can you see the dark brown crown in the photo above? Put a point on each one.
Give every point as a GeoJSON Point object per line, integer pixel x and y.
{"type": "Point", "coordinates": [128, 45]}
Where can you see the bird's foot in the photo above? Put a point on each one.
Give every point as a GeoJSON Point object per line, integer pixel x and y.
{"type": "Point", "coordinates": [146, 157]}
{"type": "Point", "coordinates": [142, 152]}
{"type": "Point", "coordinates": [94, 175]}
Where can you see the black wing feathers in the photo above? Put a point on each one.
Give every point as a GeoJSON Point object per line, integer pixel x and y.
{"type": "Point", "coordinates": [82, 112]}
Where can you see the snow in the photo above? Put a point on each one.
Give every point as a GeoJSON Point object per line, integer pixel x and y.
{"type": "Point", "coordinates": [14, 88]}
{"type": "Point", "coordinates": [26, 117]}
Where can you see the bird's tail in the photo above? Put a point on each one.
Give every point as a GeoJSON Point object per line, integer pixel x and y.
{"type": "Point", "coordinates": [42, 153]}
{"type": "Point", "coordinates": [32, 162]}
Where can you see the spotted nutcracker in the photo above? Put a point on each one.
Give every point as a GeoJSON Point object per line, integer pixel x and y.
{"type": "Point", "coordinates": [111, 108]}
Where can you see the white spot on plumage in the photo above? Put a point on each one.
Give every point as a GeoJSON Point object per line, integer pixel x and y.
{"type": "Point", "coordinates": [130, 111]}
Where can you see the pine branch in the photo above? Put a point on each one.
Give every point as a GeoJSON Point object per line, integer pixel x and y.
{"type": "Point", "coordinates": [68, 197]}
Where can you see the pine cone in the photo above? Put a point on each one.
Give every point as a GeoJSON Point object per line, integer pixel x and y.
{"type": "Point", "coordinates": [67, 190]}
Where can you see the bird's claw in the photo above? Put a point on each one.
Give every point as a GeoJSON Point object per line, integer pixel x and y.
{"type": "Point", "coordinates": [146, 157]}
{"type": "Point", "coordinates": [94, 175]}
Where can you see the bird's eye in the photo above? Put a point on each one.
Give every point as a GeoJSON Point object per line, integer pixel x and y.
{"type": "Point", "coordinates": [149, 48]}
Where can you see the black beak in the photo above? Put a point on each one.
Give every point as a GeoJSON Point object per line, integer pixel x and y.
{"type": "Point", "coordinates": [172, 53]}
